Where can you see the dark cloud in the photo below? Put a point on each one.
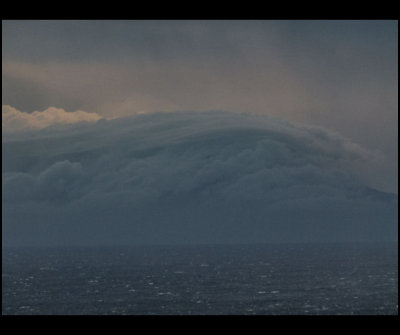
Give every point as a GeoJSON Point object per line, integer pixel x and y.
{"type": "Point", "coordinates": [189, 177]}
{"type": "Point", "coordinates": [341, 75]}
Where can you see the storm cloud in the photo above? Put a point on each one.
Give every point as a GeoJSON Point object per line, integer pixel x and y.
{"type": "Point", "coordinates": [189, 177]}
{"type": "Point", "coordinates": [340, 74]}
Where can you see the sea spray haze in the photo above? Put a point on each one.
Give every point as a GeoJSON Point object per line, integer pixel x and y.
{"type": "Point", "coordinates": [187, 177]}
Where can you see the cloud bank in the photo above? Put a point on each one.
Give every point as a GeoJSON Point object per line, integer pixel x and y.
{"type": "Point", "coordinates": [189, 177]}
{"type": "Point", "coordinates": [340, 75]}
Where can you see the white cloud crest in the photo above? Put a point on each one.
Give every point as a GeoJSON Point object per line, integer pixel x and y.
{"type": "Point", "coordinates": [15, 120]}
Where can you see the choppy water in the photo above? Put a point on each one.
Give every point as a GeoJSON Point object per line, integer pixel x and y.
{"type": "Point", "coordinates": [258, 279]}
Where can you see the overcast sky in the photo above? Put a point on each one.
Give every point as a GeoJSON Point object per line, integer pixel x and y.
{"type": "Point", "coordinates": [341, 75]}
{"type": "Point", "coordinates": [336, 77]}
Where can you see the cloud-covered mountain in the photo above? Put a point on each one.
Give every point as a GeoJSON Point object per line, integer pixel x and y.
{"type": "Point", "coordinates": [188, 177]}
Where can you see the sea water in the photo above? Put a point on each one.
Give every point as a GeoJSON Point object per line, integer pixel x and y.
{"type": "Point", "coordinates": [285, 279]}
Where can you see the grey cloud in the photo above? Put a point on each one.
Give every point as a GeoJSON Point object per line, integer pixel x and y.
{"type": "Point", "coordinates": [189, 177]}
{"type": "Point", "coordinates": [340, 75]}
{"type": "Point", "coordinates": [58, 183]}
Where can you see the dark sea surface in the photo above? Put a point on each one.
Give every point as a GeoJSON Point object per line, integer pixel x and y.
{"type": "Point", "coordinates": [210, 279]}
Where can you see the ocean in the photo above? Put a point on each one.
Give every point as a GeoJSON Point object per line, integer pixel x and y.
{"type": "Point", "coordinates": [281, 279]}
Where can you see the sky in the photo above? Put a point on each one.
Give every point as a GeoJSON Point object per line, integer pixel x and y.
{"type": "Point", "coordinates": [138, 121]}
